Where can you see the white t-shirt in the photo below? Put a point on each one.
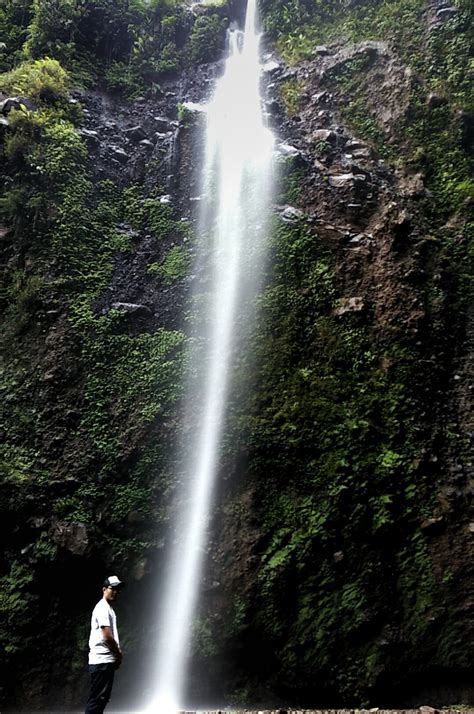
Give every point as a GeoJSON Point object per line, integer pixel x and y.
{"type": "Point", "coordinates": [102, 616]}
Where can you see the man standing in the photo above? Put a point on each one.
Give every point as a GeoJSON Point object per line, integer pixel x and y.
{"type": "Point", "coordinates": [105, 655]}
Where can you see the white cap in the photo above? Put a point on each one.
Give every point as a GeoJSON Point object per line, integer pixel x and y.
{"type": "Point", "coordinates": [113, 582]}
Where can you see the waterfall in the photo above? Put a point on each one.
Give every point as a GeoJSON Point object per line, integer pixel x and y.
{"type": "Point", "coordinates": [236, 186]}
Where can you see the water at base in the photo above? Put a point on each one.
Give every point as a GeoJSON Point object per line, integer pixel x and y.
{"type": "Point", "coordinates": [236, 185]}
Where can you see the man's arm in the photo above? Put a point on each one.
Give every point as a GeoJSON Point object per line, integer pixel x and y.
{"type": "Point", "coordinates": [112, 644]}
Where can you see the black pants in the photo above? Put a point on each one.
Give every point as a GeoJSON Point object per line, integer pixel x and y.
{"type": "Point", "coordinates": [102, 679]}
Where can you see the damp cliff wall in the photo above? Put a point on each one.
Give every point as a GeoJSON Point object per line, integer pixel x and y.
{"type": "Point", "coordinates": [340, 562]}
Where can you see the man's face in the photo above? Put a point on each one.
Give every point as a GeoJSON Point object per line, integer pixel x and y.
{"type": "Point", "coordinates": [111, 593]}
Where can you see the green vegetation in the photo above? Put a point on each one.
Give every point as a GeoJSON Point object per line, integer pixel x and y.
{"type": "Point", "coordinates": [291, 90]}
{"type": "Point", "coordinates": [339, 430]}
{"type": "Point", "coordinates": [81, 393]}
{"type": "Point", "coordinates": [128, 45]}
{"type": "Point", "coordinates": [14, 605]}
{"type": "Point", "coordinates": [432, 140]}
{"type": "Point", "coordinates": [175, 265]}
{"type": "Point", "coordinates": [340, 421]}
{"type": "Point", "coordinates": [207, 38]}
{"type": "Point", "coordinates": [41, 79]}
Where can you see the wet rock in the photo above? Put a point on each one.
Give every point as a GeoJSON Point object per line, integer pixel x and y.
{"type": "Point", "coordinates": [357, 240]}
{"type": "Point", "coordinates": [344, 180]}
{"type": "Point", "coordinates": [369, 49]}
{"type": "Point", "coordinates": [321, 51]}
{"type": "Point", "coordinates": [354, 144]}
{"type": "Point", "coordinates": [91, 137]}
{"type": "Point", "coordinates": [354, 208]}
{"type": "Point", "coordinates": [147, 144]}
{"type": "Point", "coordinates": [324, 135]}
{"type": "Point", "coordinates": [71, 536]}
{"type": "Point", "coordinates": [271, 67]}
{"type": "Point", "coordinates": [433, 525]}
{"type": "Point", "coordinates": [289, 155]}
{"type": "Point", "coordinates": [16, 103]}
{"type": "Point", "coordinates": [435, 100]}
{"type": "Point", "coordinates": [38, 522]}
{"type": "Point", "coordinates": [290, 214]}
{"type": "Point", "coordinates": [273, 110]}
{"type": "Point", "coordinates": [164, 124]}
{"type": "Point", "coordinates": [362, 153]}
{"type": "Point", "coordinates": [351, 304]}
{"type": "Point", "coordinates": [119, 154]}
{"type": "Point", "coordinates": [136, 133]}
{"type": "Point", "coordinates": [132, 308]}
{"type": "Point", "coordinates": [321, 97]}
{"type": "Point", "coordinates": [445, 13]}
{"type": "Point", "coordinates": [139, 569]}
{"type": "Point", "coordinates": [413, 186]}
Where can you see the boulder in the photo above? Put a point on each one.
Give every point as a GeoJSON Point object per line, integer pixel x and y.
{"type": "Point", "coordinates": [16, 103]}
{"type": "Point", "coordinates": [119, 154]}
{"type": "Point", "coordinates": [344, 180]}
{"type": "Point", "coordinates": [91, 137]}
{"type": "Point", "coordinates": [135, 133]}
{"type": "Point", "coordinates": [132, 308]}
{"type": "Point", "coordinates": [351, 304]}
{"type": "Point", "coordinates": [324, 135]}
{"type": "Point", "coordinates": [147, 144]}
{"type": "Point", "coordinates": [290, 214]}
{"type": "Point", "coordinates": [164, 124]}
{"type": "Point", "coordinates": [444, 13]}
{"type": "Point", "coordinates": [71, 536]}
{"type": "Point", "coordinates": [364, 153]}
{"type": "Point", "coordinates": [321, 51]}
{"type": "Point", "coordinates": [288, 153]}
{"type": "Point", "coordinates": [270, 67]}
{"type": "Point", "coordinates": [433, 525]}
{"type": "Point", "coordinates": [436, 100]}
{"type": "Point", "coordinates": [354, 144]}
{"type": "Point", "coordinates": [321, 97]}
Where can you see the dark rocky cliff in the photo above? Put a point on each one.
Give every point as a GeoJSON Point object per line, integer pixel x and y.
{"type": "Point", "coordinates": [340, 565]}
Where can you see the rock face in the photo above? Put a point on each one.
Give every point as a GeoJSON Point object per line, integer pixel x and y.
{"type": "Point", "coordinates": [340, 555]}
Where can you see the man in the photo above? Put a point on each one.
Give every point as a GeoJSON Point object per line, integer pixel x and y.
{"type": "Point", "coordinates": [105, 655]}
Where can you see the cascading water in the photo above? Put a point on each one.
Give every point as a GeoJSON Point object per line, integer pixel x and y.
{"type": "Point", "coordinates": [237, 180]}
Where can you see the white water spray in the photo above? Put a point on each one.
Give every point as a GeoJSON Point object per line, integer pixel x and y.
{"type": "Point", "coordinates": [236, 185]}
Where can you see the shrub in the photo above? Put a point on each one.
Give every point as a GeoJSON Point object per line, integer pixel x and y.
{"type": "Point", "coordinates": [42, 79]}
{"type": "Point", "coordinates": [207, 38]}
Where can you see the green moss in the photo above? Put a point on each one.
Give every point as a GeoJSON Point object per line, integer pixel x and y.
{"type": "Point", "coordinates": [174, 266]}
{"type": "Point", "coordinates": [139, 385]}
{"type": "Point", "coordinates": [203, 639]}
{"type": "Point", "coordinates": [14, 605]}
{"type": "Point", "coordinates": [16, 463]}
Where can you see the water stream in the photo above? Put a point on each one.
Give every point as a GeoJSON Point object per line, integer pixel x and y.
{"type": "Point", "coordinates": [236, 188]}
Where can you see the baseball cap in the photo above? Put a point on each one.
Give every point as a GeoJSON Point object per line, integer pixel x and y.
{"type": "Point", "coordinates": [113, 582]}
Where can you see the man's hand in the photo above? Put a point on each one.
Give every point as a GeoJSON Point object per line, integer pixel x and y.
{"type": "Point", "coordinates": [112, 645]}
{"type": "Point", "coordinates": [118, 659]}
